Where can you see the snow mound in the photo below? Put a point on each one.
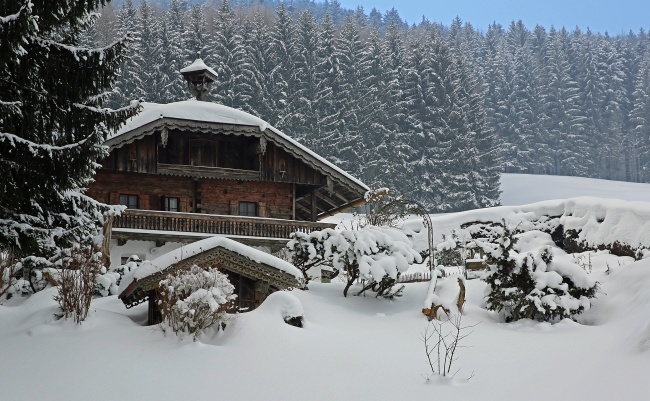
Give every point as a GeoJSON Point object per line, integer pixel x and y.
{"type": "Point", "coordinates": [598, 220]}
{"type": "Point", "coordinates": [282, 304]}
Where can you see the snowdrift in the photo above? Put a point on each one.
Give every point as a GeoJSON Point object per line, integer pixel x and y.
{"type": "Point", "coordinates": [594, 221]}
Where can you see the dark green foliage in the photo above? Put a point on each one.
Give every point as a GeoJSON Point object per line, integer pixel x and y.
{"type": "Point", "coordinates": [52, 124]}
{"type": "Point", "coordinates": [518, 285]}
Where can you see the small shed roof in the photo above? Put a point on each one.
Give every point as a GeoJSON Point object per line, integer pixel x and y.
{"type": "Point", "coordinates": [237, 257]}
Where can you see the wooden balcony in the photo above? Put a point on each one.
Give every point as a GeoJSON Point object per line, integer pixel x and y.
{"type": "Point", "coordinates": [155, 225]}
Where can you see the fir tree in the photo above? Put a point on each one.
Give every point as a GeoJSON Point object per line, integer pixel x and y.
{"type": "Point", "coordinates": [129, 85]}
{"type": "Point", "coordinates": [232, 88]}
{"type": "Point", "coordinates": [283, 76]}
{"type": "Point", "coordinates": [307, 84]}
{"type": "Point", "coordinates": [328, 75]}
{"type": "Point", "coordinates": [52, 125]}
{"type": "Point", "coordinates": [258, 45]}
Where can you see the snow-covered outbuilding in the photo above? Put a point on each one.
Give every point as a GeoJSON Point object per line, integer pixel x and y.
{"type": "Point", "coordinates": [255, 274]}
{"type": "Point", "coordinates": [193, 169]}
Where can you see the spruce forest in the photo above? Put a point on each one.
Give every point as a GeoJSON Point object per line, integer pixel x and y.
{"type": "Point", "coordinates": [435, 112]}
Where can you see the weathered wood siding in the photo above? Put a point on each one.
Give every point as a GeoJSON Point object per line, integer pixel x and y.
{"type": "Point", "coordinates": [279, 166]}
{"type": "Point", "coordinates": [138, 156]}
{"type": "Point", "coordinates": [233, 152]}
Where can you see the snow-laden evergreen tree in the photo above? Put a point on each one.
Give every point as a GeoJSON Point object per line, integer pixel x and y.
{"type": "Point", "coordinates": [232, 87]}
{"type": "Point", "coordinates": [172, 52]}
{"type": "Point", "coordinates": [375, 19]}
{"type": "Point", "coordinates": [283, 76]}
{"type": "Point", "coordinates": [167, 68]}
{"type": "Point", "coordinates": [329, 76]}
{"type": "Point", "coordinates": [610, 77]}
{"type": "Point", "coordinates": [258, 44]}
{"type": "Point", "coordinates": [564, 118]}
{"type": "Point", "coordinates": [591, 91]}
{"type": "Point", "coordinates": [196, 35]}
{"type": "Point", "coordinates": [520, 104]}
{"type": "Point", "coordinates": [348, 147]}
{"type": "Point", "coordinates": [52, 126]}
{"type": "Point", "coordinates": [148, 39]}
{"type": "Point", "coordinates": [308, 87]}
{"type": "Point", "coordinates": [397, 146]}
{"type": "Point", "coordinates": [381, 164]}
{"type": "Point", "coordinates": [525, 283]}
{"type": "Point", "coordinates": [640, 124]}
{"type": "Point", "coordinates": [480, 149]}
{"type": "Point", "coordinates": [129, 85]}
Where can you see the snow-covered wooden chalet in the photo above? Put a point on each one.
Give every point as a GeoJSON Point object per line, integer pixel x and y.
{"type": "Point", "coordinates": [193, 169]}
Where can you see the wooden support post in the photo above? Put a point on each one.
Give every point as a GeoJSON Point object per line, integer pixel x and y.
{"type": "Point", "coordinates": [293, 202]}
{"type": "Point", "coordinates": [314, 208]}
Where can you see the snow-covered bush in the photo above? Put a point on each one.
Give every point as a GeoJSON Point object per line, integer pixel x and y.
{"type": "Point", "coordinates": [306, 251]}
{"type": "Point", "coordinates": [76, 283]}
{"type": "Point", "coordinates": [108, 281]}
{"type": "Point", "coordinates": [376, 254]}
{"type": "Point", "coordinates": [194, 299]}
{"type": "Point", "coordinates": [524, 281]}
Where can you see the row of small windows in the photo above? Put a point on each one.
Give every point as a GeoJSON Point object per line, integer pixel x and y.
{"type": "Point", "coordinates": [173, 205]}
{"type": "Point", "coordinates": [168, 204]}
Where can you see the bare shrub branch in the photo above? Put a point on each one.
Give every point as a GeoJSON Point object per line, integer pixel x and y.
{"type": "Point", "coordinates": [76, 283]}
{"type": "Point", "coordinates": [442, 339]}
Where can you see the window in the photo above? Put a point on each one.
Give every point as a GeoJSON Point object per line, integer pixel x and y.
{"type": "Point", "coordinates": [130, 201]}
{"type": "Point", "coordinates": [171, 204]}
{"type": "Point", "coordinates": [247, 209]}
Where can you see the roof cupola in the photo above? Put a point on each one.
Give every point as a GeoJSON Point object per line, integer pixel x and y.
{"type": "Point", "coordinates": [199, 78]}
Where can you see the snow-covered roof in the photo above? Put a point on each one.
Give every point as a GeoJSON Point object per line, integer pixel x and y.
{"type": "Point", "coordinates": [153, 117]}
{"type": "Point", "coordinates": [130, 282]}
{"type": "Point", "coordinates": [192, 109]}
{"type": "Point", "coordinates": [198, 65]}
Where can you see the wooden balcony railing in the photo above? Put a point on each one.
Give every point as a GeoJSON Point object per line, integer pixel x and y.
{"type": "Point", "coordinates": [214, 224]}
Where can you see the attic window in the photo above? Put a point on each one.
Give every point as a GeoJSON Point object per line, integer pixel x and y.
{"type": "Point", "coordinates": [203, 153]}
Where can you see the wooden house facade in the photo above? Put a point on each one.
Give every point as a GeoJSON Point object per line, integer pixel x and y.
{"type": "Point", "coordinates": [193, 169]}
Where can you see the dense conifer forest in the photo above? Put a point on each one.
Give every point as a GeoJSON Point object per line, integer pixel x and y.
{"type": "Point", "coordinates": [435, 112]}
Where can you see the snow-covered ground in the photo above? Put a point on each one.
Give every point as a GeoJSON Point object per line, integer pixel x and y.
{"type": "Point", "coordinates": [355, 348]}
{"type": "Point", "coordinates": [521, 189]}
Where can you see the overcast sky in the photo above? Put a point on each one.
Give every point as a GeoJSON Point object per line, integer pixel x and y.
{"type": "Point", "coordinates": [614, 16]}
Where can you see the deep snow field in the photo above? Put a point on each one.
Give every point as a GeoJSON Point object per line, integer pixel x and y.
{"type": "Point", "coordinates": [355, 348]}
